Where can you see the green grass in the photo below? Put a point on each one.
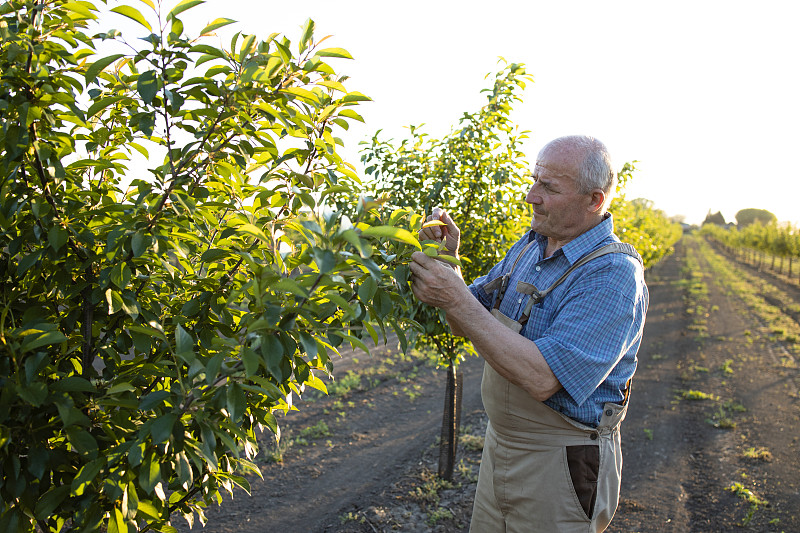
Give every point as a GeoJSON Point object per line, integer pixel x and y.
{"type": "Point", "coordinates": [755, 292]}
{"type": "Point", "coordinates": [697, 395]}
{"type": "Point", "coordinates": [749, 497]}
{"type": "Point", "coordinates": [760, 454]}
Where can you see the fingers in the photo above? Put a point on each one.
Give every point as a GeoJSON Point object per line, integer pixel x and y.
{"type": "Point", "coordinates": [437, 233]}
{"type": "Point", "coordinates": [419, 262]}
{"type": "Point", "coordinates": [452, 229]}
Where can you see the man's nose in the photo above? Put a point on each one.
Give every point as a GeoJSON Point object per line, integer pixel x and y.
{"type": "Point", "coordinates": [532, 197]}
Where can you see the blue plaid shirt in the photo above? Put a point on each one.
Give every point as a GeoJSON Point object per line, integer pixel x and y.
{"type": "Point", "coordinates": [588, 328]}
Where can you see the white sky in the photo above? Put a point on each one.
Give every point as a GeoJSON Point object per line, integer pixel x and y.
{"type": "Point", "coordinates": [704, 94]}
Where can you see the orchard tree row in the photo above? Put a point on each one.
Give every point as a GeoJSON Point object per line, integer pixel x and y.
{"type": "Point", "coordinates": [183, 251]}
{"type": "Point", "coordinates": [772, 245]}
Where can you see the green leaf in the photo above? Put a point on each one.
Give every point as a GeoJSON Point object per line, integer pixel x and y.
{"type": "Point", "coordinates": [401, 336]}
{"type": "Point", "coordinates": [116, 522]}
{"type": "Point", "coordinates": [148, 509]}
{"type": "Point", "coordinates": [396, 234]}
{"type": "Point", "coordinates": [355, 342]}
{"type": "Point", "coordinates": [251, 361]}
{"type": "Point", "coordinates": [449, 259]}
{"type": "Point", "coordinates": [35, 393]}
{"type": "Point", "coordinates": [153, 399]}
{"type": "Point", "coordinates": [248, 45]}
{"type": "Point", "coordinates": [367, 288]}
{"type": "Point", "coordinates": [146, 330]}
{"type": "Point", "coordinates": [140, 243]}
{"type": "Point", "coordinates": [373, 333]}
{"type": "Point", "coordinates": [250, 229]}
{"type": "Point", "coordinates": [83, 442]}
{"type": "Point", "coordinates": [73, 384]}
{"type": "Point", "coordinates": [147, 87]}
{"type": "Point", "coordinates": [349, 113]}
{"type": "Point", "coordinates": [133, 14]}
{"type": "Point", "coordinates": [236, 400]}
{"type": "Point", "coordinates": [115, 302]}
{"type": "Point", "coordinates": [326, 260]}
{"type": "Point", "coordinates": [309, 344]}
{"type": "Point", "coordinates": [301, 93]}
{"type": "Point", "coordinates": [272, 348]}
{"type": "Point", "coordinates": [356, 97]}
{"type": "Point", "coordinates": [98, 66]}
{"type": "Point", "coordinates": [208, 49]}
{"type": "Point", "coordinates": [308, 32]}
{"type": "Point", "coordinates": [214, 254]}
{"type": "Point", "coordinates": [161, 428]}
{"type": "Point", "coordinates": [57, 237]}
{"type": "Point", "coordinates": [103, 103]}
{"type": "Point", "coordinates": [120, 275]}
{"type": "Point", "coordinates": [150, 474]}
{"type": "Point", "coordinates": [184, 343]}
{"type": "Point", "coordinates": [291, 286]}
{"type": "Point", "coordinates": [216, 24]}
{"type": "Point", "coordinates": [334, 52]}
{"type": "Point", "coordinates": [183, 6]}
{"type": "Point", "coordinates": [49, 501]}
{"type": "Point", "coordinates": [86, 475]}
{"type": "Point", "coordinates": [121, 387]}
{"type": "Point", "coordinates": [71, 416]}
{"type": "Point", "coordinates": [32, 342]}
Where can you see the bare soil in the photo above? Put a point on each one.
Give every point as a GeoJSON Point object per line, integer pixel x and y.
{"type": "Point", "coordinates": [725, 463]}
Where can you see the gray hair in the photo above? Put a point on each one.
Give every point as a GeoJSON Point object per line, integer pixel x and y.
{"type": "Point", "coordinates": [595, 170]}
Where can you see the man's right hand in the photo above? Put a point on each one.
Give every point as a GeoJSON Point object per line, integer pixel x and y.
{"type": "Point", "coordinates": [437, 233]}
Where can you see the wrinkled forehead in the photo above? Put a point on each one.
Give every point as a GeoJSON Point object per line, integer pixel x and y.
{"type": "Point", "coordinates": [550, 170]}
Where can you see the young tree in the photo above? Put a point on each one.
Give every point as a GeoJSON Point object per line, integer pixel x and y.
{"type": "Point", "coordinates": [152, 319]}
{"type": "Point", "coordinates": [478, 174]}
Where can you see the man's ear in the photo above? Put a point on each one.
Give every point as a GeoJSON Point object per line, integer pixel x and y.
{"type": "Point", "coordinates": [598, 200]}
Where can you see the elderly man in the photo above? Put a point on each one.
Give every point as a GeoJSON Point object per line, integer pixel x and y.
{"type": "Point", "coordinates": [558, 322]}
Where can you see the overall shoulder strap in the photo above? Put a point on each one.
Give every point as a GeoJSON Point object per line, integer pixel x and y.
{"type": "Point", "coordinates": [501, 282]}
{"type": "Point", "coordinates": [611, 248]}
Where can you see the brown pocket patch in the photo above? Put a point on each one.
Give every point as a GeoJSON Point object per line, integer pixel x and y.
{"type": "Point", "coordinates": [584, 465]}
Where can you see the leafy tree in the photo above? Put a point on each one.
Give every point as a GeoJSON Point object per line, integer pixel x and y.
{"type": "Point", "coordinates": [637, 222]}
{"type": "Point", "coordinates": [477, 173]}
{"type": "Point", "coordinates": [152, 319]}
{"type": "Point", "coordinates": [745, 217]}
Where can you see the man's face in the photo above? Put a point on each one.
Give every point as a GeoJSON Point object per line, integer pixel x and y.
{"type": "Point", "coordinates": [560, 211]}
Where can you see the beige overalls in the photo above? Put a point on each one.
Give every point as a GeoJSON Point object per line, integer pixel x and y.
{"type": "Point", "coordinates": [534, 455]}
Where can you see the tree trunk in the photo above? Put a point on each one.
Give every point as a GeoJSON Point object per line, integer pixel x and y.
{"type": "Point", "coordinates": [451, 422]}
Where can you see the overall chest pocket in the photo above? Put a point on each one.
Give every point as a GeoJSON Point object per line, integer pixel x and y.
{"type": "Point", "coordinates": [539, 321]}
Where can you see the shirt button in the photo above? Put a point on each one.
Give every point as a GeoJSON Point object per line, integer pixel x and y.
{"type": "Point", "coordinates": [593, 436]}
{"type": "Point", "coordinates": [519, 301]}
{"type": "Point", "coordinates": [538, 268]}
{"type": "Point", "coordinates": [609, 412]}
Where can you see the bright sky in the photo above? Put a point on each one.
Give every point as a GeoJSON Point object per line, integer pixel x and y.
{"type": "Point", "coordinates": [704, 94]}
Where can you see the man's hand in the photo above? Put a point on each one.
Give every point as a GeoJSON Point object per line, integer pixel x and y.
{"type": "Point", "coordinates": [437, 233]}
{"type": "Point", "coordinates": [436, 283]}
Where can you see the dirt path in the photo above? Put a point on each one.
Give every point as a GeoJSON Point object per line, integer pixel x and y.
{"type": "Point", "coordinates": [710, 442]}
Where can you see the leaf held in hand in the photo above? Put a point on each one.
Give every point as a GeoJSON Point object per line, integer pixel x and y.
{"type": "Point", "coordinates": [432, 223]}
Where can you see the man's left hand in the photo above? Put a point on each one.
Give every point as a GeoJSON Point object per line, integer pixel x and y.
{"type": "Point", "coordinates": [436, 283]}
